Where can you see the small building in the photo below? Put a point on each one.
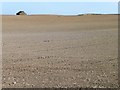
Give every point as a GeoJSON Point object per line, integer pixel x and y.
{"type": "Point", "coordinates": [21, 13]}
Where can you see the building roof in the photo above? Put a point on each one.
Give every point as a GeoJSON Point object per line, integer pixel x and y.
{"type": "Point", "coordinates": [21, 13]}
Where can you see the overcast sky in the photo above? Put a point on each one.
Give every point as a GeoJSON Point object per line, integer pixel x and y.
{"type": "Point", "coordinates": [60, 8]}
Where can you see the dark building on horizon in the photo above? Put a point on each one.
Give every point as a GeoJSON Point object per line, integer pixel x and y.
{"type": "Point", "coordinates": [21, 13]}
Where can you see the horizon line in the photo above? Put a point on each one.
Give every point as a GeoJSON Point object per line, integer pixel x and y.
{"type": "Point", "coordinates": [60, 14]}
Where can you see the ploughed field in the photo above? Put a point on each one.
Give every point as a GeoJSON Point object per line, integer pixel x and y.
{"type": "Point", "coordinates": [60, 51]}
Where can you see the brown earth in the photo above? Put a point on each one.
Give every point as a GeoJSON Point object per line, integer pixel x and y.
{"type": "Point", "coordinates": [60, 51]}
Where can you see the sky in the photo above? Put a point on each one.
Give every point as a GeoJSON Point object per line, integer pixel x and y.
{"type": "Point", "coordinates": [60, 8]}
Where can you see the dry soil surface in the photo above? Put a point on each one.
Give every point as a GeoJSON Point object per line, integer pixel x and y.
{"type": "Point", "coordinates": [60, 51]}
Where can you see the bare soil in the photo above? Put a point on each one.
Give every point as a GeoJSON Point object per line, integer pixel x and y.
{"type": "Point", "coordinates": [60, 51]}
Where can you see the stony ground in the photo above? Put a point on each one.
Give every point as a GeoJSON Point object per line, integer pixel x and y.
{"type": "Point", "coordinates": [80, 58]}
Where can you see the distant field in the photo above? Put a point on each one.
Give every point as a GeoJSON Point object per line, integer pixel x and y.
{"type": "Point", "coordinates": [60, 51]}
